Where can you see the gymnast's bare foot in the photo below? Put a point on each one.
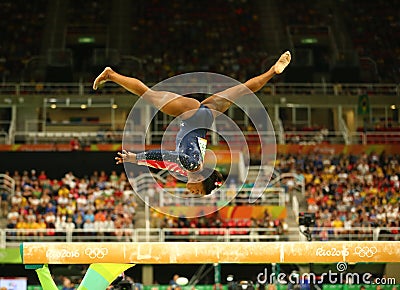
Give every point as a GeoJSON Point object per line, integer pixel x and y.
{"type": "Point", "coordinates": [102, 78]}
{"type": "Point", "coordinates": [282, 62]}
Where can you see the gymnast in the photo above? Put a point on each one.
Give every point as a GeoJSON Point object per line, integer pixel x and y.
{"type": "Point", "coordinates": [196, 119]}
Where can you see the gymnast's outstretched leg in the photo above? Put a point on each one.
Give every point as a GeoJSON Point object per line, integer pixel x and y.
{"type": "Point", "coordinates": [167, 102]}
{"type": "Point", "coordinates": [221, 101]}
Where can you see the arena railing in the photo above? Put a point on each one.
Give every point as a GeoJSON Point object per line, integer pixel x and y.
{"type": "Point", "coordinates": [7, 183]}
{"type": "Point", "coordinates": [135, 137]}
{"type": "Point", "coordinates": [297, 137]}
{"type": "Point", "coordinates": [155, 137]}
{"type": "Point", "coordinates": [175, 196]}
{"type": "Point", "coordinates": [3, 137]}
{"type": "Point", "coordinates": [13, 237]}
{"type": "Point", "coordinates": [375, 137]}
{"type": "Point", "coordinates": [314, 137]}
{"type": "Point", "coordinates": [228, 137]}
{"type": "Point", "coordinates": [83, 89]}
{"type": "Point", "coordinates": [295, 206]}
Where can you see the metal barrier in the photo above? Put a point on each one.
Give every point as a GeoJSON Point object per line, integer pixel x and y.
{"type": "Point", "coordinates": [223, 196]}
{"type": "Point", "coordinates": [3, 138]}
{"type": "Point", "coordinates": [67, 93]}
{"type": "Point", "coordinates": [375, 137]}
{"type": "Point", "coordinates": [13, 237]}
{"type": "Point", "coordinates": [168, 138]}
{"type": "Point", "coordinates": [274, 89]}
{"type": "Point", "coordinates": [295, 206]}
{"type": "Point", "coordinates": [7, 184]}
{"type": "Point", "coordinates": [314, 137]}
{"type": "Point", "coordinates": [355, 234]}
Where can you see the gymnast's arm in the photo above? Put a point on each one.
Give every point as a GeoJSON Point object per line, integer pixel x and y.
{"type": "Point", "coordinates": [161, 159]}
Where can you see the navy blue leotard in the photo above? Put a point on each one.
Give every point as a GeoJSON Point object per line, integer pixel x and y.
{"type": "Point", "coordinates": [190, 145]}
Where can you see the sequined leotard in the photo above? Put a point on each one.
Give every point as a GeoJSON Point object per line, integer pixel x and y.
{"type": "Point", "coordinates": [190, 145]}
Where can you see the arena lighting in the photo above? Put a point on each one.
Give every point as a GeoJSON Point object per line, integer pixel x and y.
{"type": "Point", "coordinates": [114, 106]}
{"type": "Point", "coordinates": [53, 106]}
{"type": "Point", "coordinates": [86, 39]}
{"type": "Point", "coordinates": [83, 106]}
{"type": "Point", "coordinates": [309, 40]}
{"type": "Point", "coordinates": [393, 107]}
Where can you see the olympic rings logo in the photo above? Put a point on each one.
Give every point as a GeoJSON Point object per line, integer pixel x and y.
{"type": "Point", "coordinates": [94, 253]}
{"type": "Point", "coordinates": [365, 251]}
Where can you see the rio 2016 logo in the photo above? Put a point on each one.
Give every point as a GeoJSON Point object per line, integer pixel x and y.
{"type": "Point", "coordinates": [362, 252]}
{"type": "Point", "coordinates": [60, 254]}
{"type": "Point", "coordinates": [332, 252]}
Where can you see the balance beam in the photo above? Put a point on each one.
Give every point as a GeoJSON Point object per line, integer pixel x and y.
{"type": "Point", "coordinates": [209, 252]}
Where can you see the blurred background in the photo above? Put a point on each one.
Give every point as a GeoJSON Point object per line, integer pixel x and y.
{"type": "Point", "coordinates": [334, 113]}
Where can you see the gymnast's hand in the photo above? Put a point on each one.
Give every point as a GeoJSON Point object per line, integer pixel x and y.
{"type": "Point", "coordinates": [125, 156]}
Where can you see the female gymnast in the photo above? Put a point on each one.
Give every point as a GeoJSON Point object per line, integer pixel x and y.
{"type": "Point", "coordinates": [196, 118]}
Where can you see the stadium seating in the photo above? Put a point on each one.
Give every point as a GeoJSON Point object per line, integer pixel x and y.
{"type": "Point", "coordinates": [209, 39]}
{"type": "Point", "coordinates": [59, 205]}
{"type": "Point", "coordinates": [375, 31]}
{"type": "Point", "coordinates": [22, 25]}
{"type": "Point", "coordinates": [346, 192]}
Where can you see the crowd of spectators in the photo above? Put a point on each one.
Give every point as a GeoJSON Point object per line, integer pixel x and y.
{"type": "Point", "coordinates": [212, 225]}
{"type": "Point", "coordinates": [97, 204]}
{"type": "Point", "coordinates": [349, 191]}
{"type": "Point", "coordinates": [375, 29]}
{"type": "Point", "coordinates": [221, 36]}
{"type": "Point", "coordinates": [102, 205]}
{"type": "Point", "coordinates": [22, 25]}
{"type": "Point", "coordinates": [174, 37]}
{"type": "Point", "coordinates": [350, 194]}
{"type": "Point", "coordinates": [353, 195]}
{"type": "Point", "coordinates": [304, 13]}
{"type": "Point", "coordinates": [93, 12]}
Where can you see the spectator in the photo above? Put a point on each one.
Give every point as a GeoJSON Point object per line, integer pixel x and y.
{"type": "Point", "coordinates": [75, 144]}
{"type": "Point", "coordinates": [173, 283]}
{"type": "Point", "coordinates": [89, 227]}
